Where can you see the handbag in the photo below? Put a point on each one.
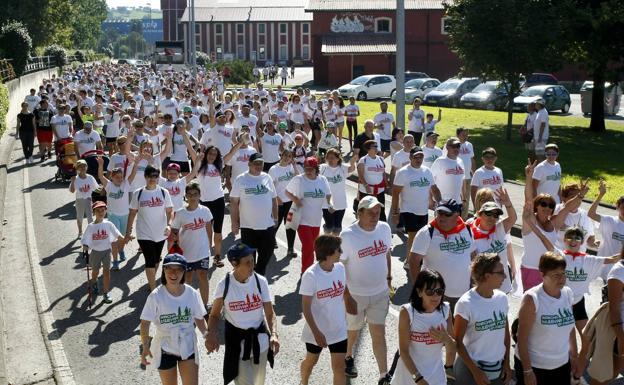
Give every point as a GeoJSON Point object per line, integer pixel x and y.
{"type": "Point", "coordinates": [293, 217]}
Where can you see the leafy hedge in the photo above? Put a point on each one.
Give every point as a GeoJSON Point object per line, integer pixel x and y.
{"type": "Point", "coordinates": [15, 44]}
{"type": "Point", "coordinates": [4, 107]}
{"type": "Point", "coordinates": [202, 58]}
{"type": "Point", "coordinates": [58, 53]}
{"type": "Point", "coordinates": [240, 71]}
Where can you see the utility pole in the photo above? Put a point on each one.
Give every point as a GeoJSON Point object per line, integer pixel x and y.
{"type": "Point", "coordinates": [192, 33]}
{"type": "Point", "coordinates": [400, 64]}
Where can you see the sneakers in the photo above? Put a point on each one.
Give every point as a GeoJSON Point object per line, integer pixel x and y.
{"type": "Point", "coordinates": [385, 380]}
{"type": "Point", "coordinates": [122, 256]}
{"type": "Point", "coordinates": [115, 266]}
{"type": "Point", "coordinates": [31, 160]}
{"type": "Point", "coordinates": [350, 369]}
{"type": "Point", "coordinates": [107, 298]}
{"type": "Point", "coordinates": [94, 289]}
{"type": "Point", "coordinates": [450, 373]}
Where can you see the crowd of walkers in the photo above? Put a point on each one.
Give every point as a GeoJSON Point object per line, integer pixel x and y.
{"type": "Point", "coordinates": [160, 158]}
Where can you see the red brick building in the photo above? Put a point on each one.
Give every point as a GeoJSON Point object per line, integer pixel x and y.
{"type": "Point", "coordinates": [356, 37]}
{"type": "Point", "coordinates": [277, 31]}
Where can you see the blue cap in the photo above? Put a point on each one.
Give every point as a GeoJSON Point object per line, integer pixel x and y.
{"type": "Point", "coordinates": [175, 259]}
{"type": "Point", "coordinates": [238, 251]}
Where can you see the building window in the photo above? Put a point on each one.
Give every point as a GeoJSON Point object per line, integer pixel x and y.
{"type": "Point", "coordinates": [240, 28]}
{"type": "Point", "coordinates": [219, 53]}
{"type": "Point", "coordinates": [262, 53]}
{"type": "Point", "coordinates": [283, 28]}
{"type": "Point", "coordinates": [444, 26]}
{"type": "Point", "coordinates": [240, 41]}
{"type": "Point", "coordinates": [198, 36]}
{"type": "Point", "coordinates": [283, 52]}
{"type": "Point", "coordinates": [383, 25]}
{"type": "Point", "coordinates": [219, 29]}
{"type": "Point", "coordinates": [305, 28]}
{"type": "Point", "coordinates": [262, 28]}
{"type": "Point", "coordinates": [240, 52]}
{"type": "Point", "coordinates": [305, 52]}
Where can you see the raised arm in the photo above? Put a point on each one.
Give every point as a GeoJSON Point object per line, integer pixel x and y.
{"type": "Point", "coordinates": [602, 190]}
{"type": "Point", "coordinates": [511, 218]}
{"type": "Point", "coordinates": [528, 219]}
{"type": "Point", "coordinates": [101, 176]}
{"type": "Point", "coordinates": [529, 191]}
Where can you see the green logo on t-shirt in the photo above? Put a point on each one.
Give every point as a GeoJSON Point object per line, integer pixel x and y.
{"type": "Point", "coordinates": [431, 159]}
{"type": "Point", "coordinates": [617, 236]}
{"type": "Point", "coordinates": [176, 318]}
{"type": "Point", "coordinates": [496, 322]}
{"type": "Point", "coordinates": [457, 246]}
{"type": "Point", "coordinates": [422, 182]}
{"type": "Point", "coordinates": [317, 193]}
{"type": "Point", "coordinates": [576, 275]}
{"type": "Point", "coordinates": [286, 177]}
{"type": "Point", "coordinates": [335, 179]}
{"type": "Point", "coordinates": [563, 318]}
{"type": "Point", "coordinates": [496, 247]}
{"type": "Point", "coordinates": [258, 190]}
{"type": "Point", "coordinates": [554, 177]}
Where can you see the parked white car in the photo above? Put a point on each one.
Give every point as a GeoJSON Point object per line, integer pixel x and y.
{"type": "Point", "coordinates": [369, 87]}
{"type": "Point", "coordinates": [418, 88]}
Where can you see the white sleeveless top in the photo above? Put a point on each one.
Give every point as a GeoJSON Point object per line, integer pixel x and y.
{"type": "Point", "coordinates": [533, 248]}
{"type": "Point", "coordinates": [549, 340]}
{"type": "Point", "coordinates": [425, 352]}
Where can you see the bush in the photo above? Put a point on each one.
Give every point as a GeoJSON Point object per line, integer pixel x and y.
{"type": "Point", "coordinates": [240, 71]}
{"type": "Point", "coordinates": [15, 44]}
{"type": "Point", "coordinates": [4, 107]}
{"type": "Point", "coordinates": [80, 56]}
{"type": "Point", "coordinates": [202, 58]}
{"type": "Point", "coordinates": [58, 54]}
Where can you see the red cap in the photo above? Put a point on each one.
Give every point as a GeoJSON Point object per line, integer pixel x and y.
{"type": "Point", "coordinates": [311, 161]}
{"type": "Point", "coordinates": [173, 166]}
{"type": "Point", "coordinates": [98, 204]}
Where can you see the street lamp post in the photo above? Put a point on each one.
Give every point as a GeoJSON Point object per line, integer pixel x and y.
{"type": "Point", "coordinates": [192, 33]}
{"type": "Point", "coordinates": [400, 64]}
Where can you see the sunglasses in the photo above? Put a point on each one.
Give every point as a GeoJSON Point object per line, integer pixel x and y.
{"type": "Point", "coordinates": [491, 214]}
{"type": "Point", "coordinates": [549, 205]}
{"type": "Point", "coordinates": [574, 239]}
{"type": "Point", "coordinates": [431, 292]}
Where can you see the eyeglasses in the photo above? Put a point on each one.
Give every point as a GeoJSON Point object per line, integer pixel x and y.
{"type": "Point", "coordinates": [491, 214]}
{"type": "Point", "coordinates": [431, 292]}
{"type": "Point", "coordinates": [549, 205]}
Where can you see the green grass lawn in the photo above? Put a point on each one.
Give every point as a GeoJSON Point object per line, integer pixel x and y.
{"type": "Point", "coordinates": [583, 153]}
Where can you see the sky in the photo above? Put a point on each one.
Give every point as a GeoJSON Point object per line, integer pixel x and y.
{"type": "Point", "coordinates": [135, 3]}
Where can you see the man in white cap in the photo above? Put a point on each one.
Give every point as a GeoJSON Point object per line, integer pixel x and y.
{"type": "Point", "coordinates": [366, 248]}
{"type": "Point", "coordinates": [448, 171]}
{"type": "Point", "coordinates": [541, 130]}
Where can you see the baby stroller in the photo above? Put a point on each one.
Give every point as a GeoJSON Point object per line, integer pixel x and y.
{"type": "Point", "coordinates": [92, 166]}
{"type": "Point", "coordinates": [66, 158]}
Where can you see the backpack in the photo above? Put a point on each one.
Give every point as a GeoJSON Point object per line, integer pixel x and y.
{"type": "Point", "coordinates": [162, 191]}
{"type": "Point", "coordinates": [227, 284]}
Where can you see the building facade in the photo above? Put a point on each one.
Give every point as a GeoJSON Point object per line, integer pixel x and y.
{"type": "Point", "coordinates": [353, 38]}
{"type": "Point", "coordinates": [262, 31]}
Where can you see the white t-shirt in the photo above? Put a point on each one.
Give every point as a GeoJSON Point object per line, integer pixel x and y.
{"type": "Point", "coordinates": [210, 183]}
{"type": "Point", "coordinates": [112, 125]}
{"type": "Point", "coordinates": [151, 216]}
{"type": "Point", "coordinates": [487, 322]}
{"type": "Point", "coordinates": [176, 190]}
{"type": "Point", "coordinates": [326, 289]}
{"type": "Point", "coordinates": [448, 175]}
{"type": "Point", "coordinates": [169, 106]}
{"type": "Point", "coordinates": [495, 242]}
{"type": "Point", "coordinates": [484, 177]}
{"type": "Point", "coordinates": [549, 177]}
{"type": "Point", "coordinates": [549, 340]}
{"type": "Point", "coordinates": [193, 236]}
{"type": "Point", "coordinates": [534, 248]}
{"type": "Point", "coordinates": [578, 219]}
{"type": "Point", "coordinates": [416, 183]}
{"type": "Point", "coordinates": [61, 125]}
{"type": "Point", "coordinates": [33, 102]}
{"type": "Point", "coordinates": [386, 119]}
{"type": "Point", "coordinates": [179, 151]}
{"type": "Point", "coordinates": [240, 161]}
{"type": "Point", "coordinates": [400, 158]}
{"type": "Point", "coordinates": [220, 137]}
{"type": "Point", "coordinates": [351, 112]}
{"type": "Point", "coordinates": [100, 236]}
{"type": "Point", "coordinates": [431, 154]}
{"type": "Point", "coordinates": [313, 194]}
{"type": "Point", "coordinates": [86, 142]}
{"type": "Point", "coordinates": [149, 106]}
{"type": "Point", "coordinates": [250, 121]}
{"type": "Point", "coordinates": [243, 306]}
{"type": "Point", "coordinates": [336, 176]}
{"type": "Point", "coordinates": [139, 177]}
{"type": "Point", "coordinates": [416, 122]}
{"type": "Point", "coordinates": [580, 271]}
{"type": "Point", "coordinates": [117, 198]}
{"type": "Point", "coordinates": [167, 313]}
{"type": "Point", "coordinates": [612, 233]}
{"type": "Point", "coordinates": [270, 147]}
{"type": "Point", "coordinates": [449, 254]}
{"type": "Point", "coordinates": [256, 194]}
{"type": "Point", "coordinates": [331, 114]}
{"type": "Point", "coordinates": [281, 176]}
{"type": "Point", "coordinates": [296, 112]}
{"type": "Point", "coordinates": [466, 153]}
{"type": "Point", "coordinates": [364, 254]}
{"type": "Point", "coordinates": [541, 117]}
{"type": "Point", "coordinates": [374, 170]}
{"type": "Point", "coordinates": [617, 273]}
{"type": "Point", "coordinates": [424, 350]}
{"type": "Point", "coordinates": [85, 186]}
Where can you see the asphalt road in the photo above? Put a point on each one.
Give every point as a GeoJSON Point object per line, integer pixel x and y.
{"type": "Point", "coordinates": [102, 343]}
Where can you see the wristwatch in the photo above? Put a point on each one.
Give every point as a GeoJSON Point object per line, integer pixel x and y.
{"type": "Point", "coordinates": [416, 377]}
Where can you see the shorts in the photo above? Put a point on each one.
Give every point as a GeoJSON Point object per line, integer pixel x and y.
{"type": "Point", "coordinates": [338, 347]}
{"type": "Point", "coordinates": [83, 209]}
{"type": "Point", "coordinates": [370, 309]}
{"type": "Point", "coordinates": [151, 251]}
{"type": "Point", "coordinates": [110, 140]}
{"type": "Point", "coordinates": [579, 311]}
{"type": "Point", "coordinates": [120, 222]}
{"type": "Point", "coordinates": [217, 209]}
{"type": "Point", "coordinates": [202, 264]}
{"type": "Point", "coordinates": [385, 145]}
{"type": "Point", "coordinates": [413, 222]}
{"type": "Point", "coordinates": [44, 136]}
{"type": "Point", "coordinates": [99, 259]}
{"type": "Point", "coordinates": [184, 165]}
{"type": "Point", "coordinates": [170, 361]}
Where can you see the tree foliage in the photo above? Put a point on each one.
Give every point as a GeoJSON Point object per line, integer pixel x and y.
{"type": "Point", "coordinates": [504, 39]}
{"type": "Point", "coordinates": [202, 58]}
{"type": "Point", "coordinates": [240, 71]}
{"type": "Point", "coordinates": [15, 44]}
{"type": "Point", "coordinates": [58, 53]}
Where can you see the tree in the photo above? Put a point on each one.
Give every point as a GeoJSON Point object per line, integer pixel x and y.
{"type": "Point", "coordinates": [504, 39]}
{"type": "Point", "coordinates": [58, 53]}
{"type": "Point", "coordinates": [29, 13]}
{"type": "Point", "coordinates": [596, 28]}
{"type": "Point", "coordinates": [87, 18]}
{"type": "Point", "coordinates": [15, 44]}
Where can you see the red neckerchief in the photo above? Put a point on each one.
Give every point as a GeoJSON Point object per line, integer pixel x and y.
{"type": "Point", "coordinates": [573, 254]}
{"type": "Point", "coordinates": [459, 227]}
{"type": "Point", "coordinates": [477, 233]}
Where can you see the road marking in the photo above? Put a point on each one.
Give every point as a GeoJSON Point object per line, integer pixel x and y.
{"type": "Point", "coordinates": [60, 366]}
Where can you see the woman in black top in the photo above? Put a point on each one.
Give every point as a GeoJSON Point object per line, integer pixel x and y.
{"type": "Point", "coordinates": [25, 131]}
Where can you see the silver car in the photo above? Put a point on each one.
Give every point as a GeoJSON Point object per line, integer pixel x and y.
{"type": "Point", "coordinates": [418, 88]}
